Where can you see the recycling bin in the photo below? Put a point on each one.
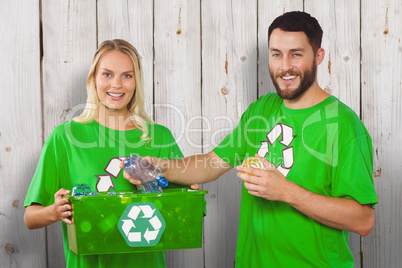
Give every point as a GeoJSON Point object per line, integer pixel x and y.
{"type": "Point", "coordinates": [136, 222]}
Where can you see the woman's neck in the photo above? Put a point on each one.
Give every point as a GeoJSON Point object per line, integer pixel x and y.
{"type": "Point", "coordinates": [114, 119]}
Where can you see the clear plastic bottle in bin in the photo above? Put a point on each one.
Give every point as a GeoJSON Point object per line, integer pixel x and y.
{"type": "Point", "coordinates": [148, 173]}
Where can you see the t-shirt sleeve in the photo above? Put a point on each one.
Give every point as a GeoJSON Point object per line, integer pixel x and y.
{"type": "Point", "coordinates": [174, 150]}
{"type": "Point", "coordinates": [167, 144]}
{"type": "Point", "coordinates": [233, 148]}
{"type": "Point", "coordinates": [50, 171]}
{"type": "Point", "coordinates": [353, 178]}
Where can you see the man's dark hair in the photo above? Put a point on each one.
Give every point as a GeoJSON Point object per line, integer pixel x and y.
{"type": "Point", "coordinates": [298, 21]}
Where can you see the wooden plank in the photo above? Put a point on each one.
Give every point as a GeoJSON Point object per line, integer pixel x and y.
{"type": "Point", "coordinates": [381, 83]}
{"type": "Point", "coordinates": [177, 85]}
{"type": "Point", "coordinates": [132, 21]}
{"type": "Point", "coordinates": [69, 42]}
{"type": "Point", "coordinates": [267, 12]}
{"type": "Point", "coordinates": [229, 85]}
{"type": "Point", "coordinates": [339, 73]}
{"type": "Point", "coordinates": [20, 131]}
{"type": "Point", "coordinates": [177, 71]}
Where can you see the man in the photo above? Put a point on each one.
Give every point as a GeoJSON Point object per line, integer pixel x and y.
{"type": "Point", "coordinates": [318, 182]}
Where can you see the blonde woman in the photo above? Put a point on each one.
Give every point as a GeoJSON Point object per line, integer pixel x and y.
{"type": "Point", "coordinates": [88, 149]}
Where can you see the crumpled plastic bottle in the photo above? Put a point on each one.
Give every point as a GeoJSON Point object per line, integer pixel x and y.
{"type": "Point", "coordinates": [82, 190]}
{"type": "Point", "coordinates": [253, 162]}
{"type": "Point", "coordinates": [148, 173]}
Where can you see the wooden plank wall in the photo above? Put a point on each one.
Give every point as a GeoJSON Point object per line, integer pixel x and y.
{"type": "Point", "coordinates": [381, 98]}
{"type": "Point", "coordinates": [205, 62]}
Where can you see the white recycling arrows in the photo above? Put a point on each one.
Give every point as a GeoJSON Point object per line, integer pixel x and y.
{"type": "Point", "coordinates": [127, 225]}
{"type": "Point", "coordinates": [132, 236]}
{"type": "Point", "coordinates": [287, 135]}
{"type": "Point", "coordinates": [287, 153]}
{"type": "Point", "coordinates": [148, 211]}
{"type": "Point", "coordinates": [150, 235]}
{"type": "Point", "coordinates": [135, 211]}
{"type": "Point", "coordinates": [155, 222]}
{"type": "Point", "coordinates": [113, 167]}
{"type": "Point", "coordinates": [142, 221]}
{"type": "Point", "coordinates": [105, 182]}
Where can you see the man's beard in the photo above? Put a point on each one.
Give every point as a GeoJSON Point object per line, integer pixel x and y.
{"type": "Point", "coordinates": [306, 81]}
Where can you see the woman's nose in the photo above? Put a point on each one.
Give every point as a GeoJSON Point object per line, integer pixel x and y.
{"type": "Point", "coordinates": [116, 81]}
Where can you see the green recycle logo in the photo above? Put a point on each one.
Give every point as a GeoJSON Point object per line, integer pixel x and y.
{"type": "Point", "coordinates": [141, 224]}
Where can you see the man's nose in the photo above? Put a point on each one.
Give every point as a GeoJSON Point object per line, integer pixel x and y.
{"type": "Point", "coordinates": [286, 64]}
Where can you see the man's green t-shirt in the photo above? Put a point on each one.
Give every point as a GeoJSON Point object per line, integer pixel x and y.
{"type": "Point", "coordinates": [91, 153]}
{"type": "Point", "coordinates": [325, 149]}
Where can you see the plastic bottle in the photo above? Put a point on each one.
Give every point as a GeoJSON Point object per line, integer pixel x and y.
{"type": "Point", "coordinates": [148, 173]}
{"type": "Point", "coordinates": [253, 162]}
{"type": "Point", "coordinates": [82, 190]}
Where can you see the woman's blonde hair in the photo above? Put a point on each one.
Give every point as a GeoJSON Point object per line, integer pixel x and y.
{"type": "Point", "coordinates": [136, 106]}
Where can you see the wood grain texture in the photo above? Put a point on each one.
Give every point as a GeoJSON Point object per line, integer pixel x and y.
{"type": "Point", "coordinates": [204, 63]}
{"type": "Point", "coordinates": [69, 42]}
{"type": "Point", "coordinates": [229, 85]}
{"type": "Point", "coordinates": [381, 82]}
{"type": "Point", "coordinates": [132, 21]}
{"type": "Point", "coordinates": [339, 73]}
{"type": "Point", "coordinates": [177, 71]}
{"type": "Point", "coordinates": [20, 131]}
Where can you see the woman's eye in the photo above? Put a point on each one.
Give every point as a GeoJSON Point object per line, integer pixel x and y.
{"type": "Point", "coordinates": [107, 74]}
{"type": "Point", "coordinates": [127, 76]}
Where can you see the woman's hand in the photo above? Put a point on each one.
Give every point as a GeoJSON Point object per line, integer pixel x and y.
{"type": "Point", "coordinates": [62, 207]}
{"type": "Point", "coordinates": [37, 216]}
{"type": "Point", "coordinates": [127, 176]}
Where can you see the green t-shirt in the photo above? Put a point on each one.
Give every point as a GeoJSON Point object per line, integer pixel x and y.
{"type": "Point", "coordinates": [325, 149]}
{"type": "Point", "coordinates": [91, 153]}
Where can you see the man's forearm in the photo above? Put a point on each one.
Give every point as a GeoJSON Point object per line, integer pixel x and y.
{"type": "Point", "coordinates": [339, 213]}
{"type": "Point", "coordinates": [194, 169]}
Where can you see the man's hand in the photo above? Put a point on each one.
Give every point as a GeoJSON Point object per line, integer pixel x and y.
{"type": "Point", "coordinates": [336, 212]}
{"type": "Point", "coordinates": [269, 184]}
{"type": "Point", "coordinates": [157, 162]}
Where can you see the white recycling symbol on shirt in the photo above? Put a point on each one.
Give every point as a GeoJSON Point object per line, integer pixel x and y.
{"type": "Point", "coordinates": [287, 153]}
{"type": "Point", "coordinates": [141, 224]}
{"type": "Point", "coordinates": [105, 182]}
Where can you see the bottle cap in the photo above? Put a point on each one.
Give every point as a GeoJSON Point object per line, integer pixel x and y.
{"type": "Point", "coordinates": [127, 162]}
{"type": "Point", "coordinates": [163, 182]}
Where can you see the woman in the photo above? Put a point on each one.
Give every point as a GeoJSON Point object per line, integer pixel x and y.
{"type": "Point", "coordinates": [89, 148]}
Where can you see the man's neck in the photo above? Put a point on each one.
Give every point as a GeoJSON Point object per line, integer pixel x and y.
{"type": "Point", "coordinates": [312, 96]}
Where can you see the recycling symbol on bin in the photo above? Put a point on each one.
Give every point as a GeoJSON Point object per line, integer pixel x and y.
{"type": "Point", "coordinates": [141, 224]}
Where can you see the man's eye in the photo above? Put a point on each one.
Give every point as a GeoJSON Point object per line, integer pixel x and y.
{"type": "Point", "coordinates": [276, 55]}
